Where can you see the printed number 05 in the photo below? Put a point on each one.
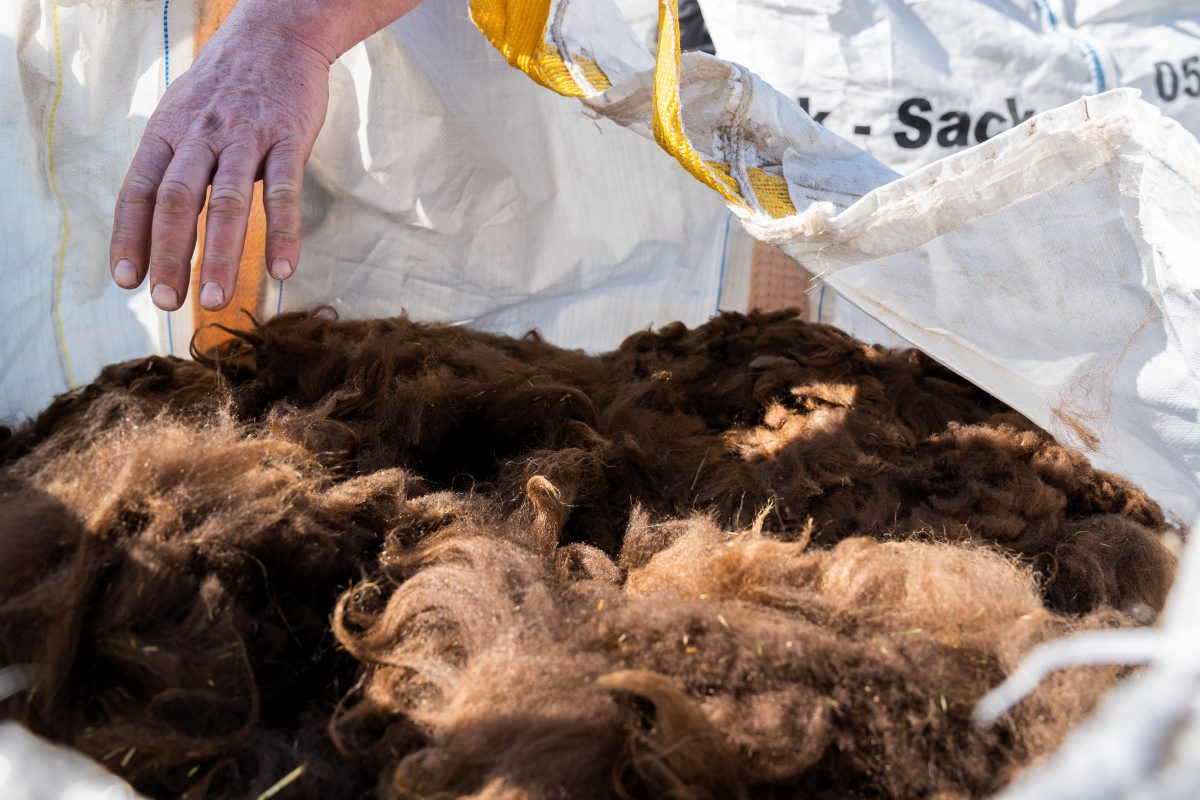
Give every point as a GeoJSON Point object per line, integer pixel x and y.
{"type": "Point", "coordinates": [1167, 80]}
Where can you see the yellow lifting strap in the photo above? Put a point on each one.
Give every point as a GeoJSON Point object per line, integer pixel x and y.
{"type": "Point", "coordinates": [668, 108]}
{"type": "Point", "coordinates": [518, 29]}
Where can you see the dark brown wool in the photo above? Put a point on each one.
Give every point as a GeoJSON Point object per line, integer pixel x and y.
{"type": "Point", "coordinates": [754, 559]}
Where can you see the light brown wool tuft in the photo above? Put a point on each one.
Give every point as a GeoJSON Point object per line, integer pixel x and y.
{"type": "Point", "coordinates": [754, 559]}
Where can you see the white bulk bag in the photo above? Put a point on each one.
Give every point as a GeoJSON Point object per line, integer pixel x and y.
{"type": "Point", "coordinates": [32, 768]}
{"type": "Point", "coordinates": [443, 184]}
{"type": "Point", "coordinates": [916, 80]}
{"type": "Point", "coordinates": [1054, 266]}
{"type": "Point", "coordinates": [77, 83]}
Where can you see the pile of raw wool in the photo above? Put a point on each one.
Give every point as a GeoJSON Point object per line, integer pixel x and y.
{"type": "Point", "coordinates": [754, 559]}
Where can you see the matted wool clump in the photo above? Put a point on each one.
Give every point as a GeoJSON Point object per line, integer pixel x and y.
{"type": "Point", "coordinates": [754, 559]}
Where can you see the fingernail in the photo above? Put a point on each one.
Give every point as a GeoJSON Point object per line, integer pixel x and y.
{"type": "Point", "coordinates": [281, 269]}
{"type": "Point", "coordinates": [211, 295]}
{"type": "Point", "coordinates": [125, 274]}
{"type": "Point", "coordinates": [164, 297]}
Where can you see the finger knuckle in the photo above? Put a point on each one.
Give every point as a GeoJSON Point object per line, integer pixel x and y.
{"type": "Point", "coordinates": [138, 190]}
{"type": "Point", "coordinates": [226, 202]}
{"type": "Point", "coordinates": [281, 196]}
{"type": "Point", "coordinates": [126, 240]}
{"type": "Point", "coordinates": [175, 197]}
{"type": "Point", "coordinates": [244, 128]}
{"type": "Point", "coordinates": [287, 153]}
{"type": "Point", "coordinates": [160, 130]}
{"type": "Point", "coordinates": [198, 148]}
{"type": "Point", "coordinates": [280, 237]}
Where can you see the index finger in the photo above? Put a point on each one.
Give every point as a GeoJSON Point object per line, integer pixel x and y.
{"type": "Point", "coordinates": [129, 248]}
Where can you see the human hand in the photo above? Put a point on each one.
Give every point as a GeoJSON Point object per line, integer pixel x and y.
{"type": "Point", "coordinates": [249, 108]}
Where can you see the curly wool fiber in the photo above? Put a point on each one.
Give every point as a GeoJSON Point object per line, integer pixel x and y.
{"type": "Point", "coordinates": [740, 414]}
{"type": "Point", "coordinates": [172, 581]}
{"type": "Point", "coordinates": [724, 665]}
{"type": "Point", "coordinates": [754, 559]}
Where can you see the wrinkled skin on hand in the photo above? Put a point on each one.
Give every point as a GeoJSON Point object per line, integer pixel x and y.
{"type": "Point", "coordinates": [249, 108]}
